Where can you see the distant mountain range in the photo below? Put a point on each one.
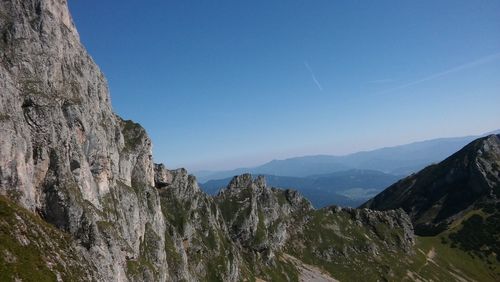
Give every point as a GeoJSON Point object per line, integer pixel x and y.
{"type": "Point", "coordinates": [398, 160]}
{"type": "Point", "coordinates": [344, 188]}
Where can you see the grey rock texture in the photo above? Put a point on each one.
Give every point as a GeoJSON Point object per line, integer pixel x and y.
{"type": "Point", "coordinates": [258, 217]}
{"type": "Point", "coordinates": [198, 244]}
{"type": "Point", "coordinates": [392, 219]}
{"type": "Point", "coordinates": [63, 152]}
{"type": "Point", "coordinates": [270, 224]}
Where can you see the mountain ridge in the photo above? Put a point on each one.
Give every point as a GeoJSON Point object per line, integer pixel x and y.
{"type": "Point", "coordinates": [344, 188]}
{"type": "Point", "coordinates": [441, 191]}
{"type": "Point", "coordinates": [400, 160]}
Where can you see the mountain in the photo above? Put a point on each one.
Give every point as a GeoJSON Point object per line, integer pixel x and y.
{"type": "Point", "coordinates": [82, 200]}
{"type": "Point", "coordinates": [304, 244]}
{"type": "Point", "coordinates": [398, 160]}
{"type": "Point", "coordinates": [344, 188]}
{"type": "Point", "coordinates": [67, 157]}
{"type": "Point", "coordinates": [458, 199]}
{"type": "Point", "coordinates": [435, 196]}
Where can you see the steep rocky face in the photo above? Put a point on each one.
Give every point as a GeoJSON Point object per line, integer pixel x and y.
{"type": "Point", "coordinates": [257, 216]}
{"type": "Point", "coordinates": [63, 153]}
{"type": "Point", "coordinates": [198, 245]}
{"type": "Point", "coordinates": [443, 193]}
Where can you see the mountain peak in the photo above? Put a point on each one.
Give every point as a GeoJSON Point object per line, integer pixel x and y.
{"type": "Point", "coordinates": [246, 181]}
{"type": "Point", "coordinates": [438, 194]}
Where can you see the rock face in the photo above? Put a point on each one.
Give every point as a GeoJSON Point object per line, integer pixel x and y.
{"type": "Point", "coordinates": [439, 194]}
{"type": "Point", "coordinates": [269, 224]}
{"type": "Point", "coordinates": [63, 152]}
{"type": "Point", "coordinates": [198, 245]}
{"type": "Point", "coordinates": [258, 217]}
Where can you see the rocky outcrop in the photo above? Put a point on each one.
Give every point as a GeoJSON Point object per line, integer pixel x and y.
{"type": "Point", "coordinates": [354, 244]}
{"type": "Point", "coordinates": [198, 245]}
{"type": "Point", "coordinates": [377, 221]}
{"type": "Point", "coordinates": [270, 224]}
{"type": "Point", "coordinates": [258, 217]}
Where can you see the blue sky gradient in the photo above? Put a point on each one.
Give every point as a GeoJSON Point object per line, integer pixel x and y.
{"type": "Point", "coordinates": [223, 84]}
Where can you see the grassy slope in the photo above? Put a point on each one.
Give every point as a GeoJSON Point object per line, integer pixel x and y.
{"type": "Point", "coordinates": [348, 247]}
{"type": "Point", "coordinates": [33, 250]}
{"type": "Point", "coordinates": [437, 261]}
{"type": "Point", "coordinates": [468, 255]}
{"type": "Point", "coordinates": [434, 258]}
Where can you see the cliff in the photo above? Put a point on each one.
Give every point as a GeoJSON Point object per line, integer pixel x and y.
{"type": "Point", "coordinates": [64, 154]}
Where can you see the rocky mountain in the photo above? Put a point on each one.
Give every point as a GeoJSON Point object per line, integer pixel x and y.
{"type": "Point", "coordinates": [440, 193]}
{"type": "Point", "coordinates": [397, 160]}
{"type": "Point", "coordinates": [282, 235]}
{"type": "Point", "coordinates": [82, 200]}
{"type": "Point", "coordinates": [457, 200]}
{"type": "Point", "coordinates": [198, 245]}
{"type": "Point", "coordinates": [348, 188]}
{"type": "Point", "coordinates": [64, 154]}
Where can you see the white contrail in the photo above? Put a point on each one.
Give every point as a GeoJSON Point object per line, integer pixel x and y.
{"type": "Point", "coordinates": [481, 61]}
{"type": "Point", "coordinates": [313, 76]}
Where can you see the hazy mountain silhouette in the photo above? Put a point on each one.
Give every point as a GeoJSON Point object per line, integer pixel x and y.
{"type": "Point", "coordinates": [343, 188]}
{"type": "Point", "coordinates": [397, 160]}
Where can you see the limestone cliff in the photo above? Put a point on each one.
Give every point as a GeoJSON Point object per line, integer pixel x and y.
{"type": "Point", "coordinates": [63, 152]}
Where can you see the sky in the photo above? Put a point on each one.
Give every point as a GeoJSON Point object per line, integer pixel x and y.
{"type": "Point", "coordinates": [225, 84]}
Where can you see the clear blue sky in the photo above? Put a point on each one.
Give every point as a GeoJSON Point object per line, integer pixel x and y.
{"type": "Point", "coordinates": [223, 84]}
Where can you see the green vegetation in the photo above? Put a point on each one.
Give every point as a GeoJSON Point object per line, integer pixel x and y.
{"type": "Point", "coordinates": [280, 194]}
{"type": "Point", "coordinates": [479, 233]}
{"type": "Point", "coordinates": [261, 233]}
{"type": "Point", "coordinates": [350, 252]}
{"type": "Point", "coordinates": [216, 266]}
{"type": "Point", "coordinates": [133, 134]}
{"type": "Point", "coordinates": [173, 256]}
{"type": "Point", "coordinates": [33, 250]}
{"type": "Point", "coordinates": [435, 259]}
{"type": "Point", "coordinates": [144, 264]}
{"type": "Point", "coordinates": [334, 242]}
{"type": "Point", "coordinates": [4, 117]}
{"type": "Point", "coordinates": [235, 209]}
{"type": "Point", "coordinates": [174, 211]}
